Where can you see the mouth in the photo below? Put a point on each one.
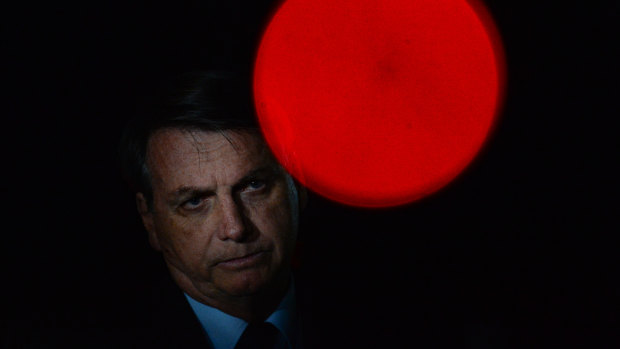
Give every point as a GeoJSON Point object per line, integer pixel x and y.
{"type": "Point", "coordinates": [245, 261]}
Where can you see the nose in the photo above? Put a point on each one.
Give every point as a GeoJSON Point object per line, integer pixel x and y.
{"type": "Point", "coordinates": [232, 225]}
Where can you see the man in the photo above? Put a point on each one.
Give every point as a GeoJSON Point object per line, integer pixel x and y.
{"type": "Point", "coordinates": [224, 215]}
{"type": "Point", "coordinates": [219, 207]}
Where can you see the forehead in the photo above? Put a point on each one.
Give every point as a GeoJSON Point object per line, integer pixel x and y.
{"type": "Point", "coordinates": [178, 157]}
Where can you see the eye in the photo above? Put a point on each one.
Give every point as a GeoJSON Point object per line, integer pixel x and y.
{"type": "Point", "coordinates": [192, 203]}
{"type": "Point", "coordinates": [256, 184]}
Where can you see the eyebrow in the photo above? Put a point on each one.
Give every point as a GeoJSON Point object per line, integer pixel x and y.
{"type": "Point", "coordinates": [188, 191]}
{"type": "Point", "coordinates": [184, 190]}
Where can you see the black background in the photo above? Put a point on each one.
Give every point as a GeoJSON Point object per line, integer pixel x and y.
{"type": "Point", "coordinates": [525, 240]}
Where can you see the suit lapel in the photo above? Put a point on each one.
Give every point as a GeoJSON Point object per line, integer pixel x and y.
{"type": "Point", "coordinates": [173, 321]}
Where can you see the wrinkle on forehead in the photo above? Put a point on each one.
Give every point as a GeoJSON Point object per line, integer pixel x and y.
{"type": "Point", "coordinates": [201, 147]}
{"type": "Point", "coordinates": [234, 142]}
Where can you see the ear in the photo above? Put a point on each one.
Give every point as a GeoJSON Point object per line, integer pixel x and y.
{"type": "Point", "coordinates": [147, 220]}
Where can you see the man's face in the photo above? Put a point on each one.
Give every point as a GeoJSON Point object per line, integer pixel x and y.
{"type": "Point", "coordinates": [224, 212]}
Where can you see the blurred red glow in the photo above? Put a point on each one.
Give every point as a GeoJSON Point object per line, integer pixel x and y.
{"type": "Point", "coordinates": [378, 103]}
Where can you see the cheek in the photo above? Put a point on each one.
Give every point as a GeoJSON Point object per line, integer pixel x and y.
{"type": "Point", "coordinates": [183, 240]}
{"type": "Point", "coordinates": [273, 219]}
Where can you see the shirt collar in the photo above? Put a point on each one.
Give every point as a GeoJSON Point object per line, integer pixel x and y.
{"type": "Point", "coordinates": [223, 330]}
{"type": "Point", "coordinates": [284, 318]}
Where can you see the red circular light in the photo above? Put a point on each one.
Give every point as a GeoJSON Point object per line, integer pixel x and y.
{"type": "Point", "coordinates": [377, 102]}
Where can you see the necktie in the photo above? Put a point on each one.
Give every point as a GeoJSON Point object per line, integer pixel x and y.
{"type": "Point", "coordinates": [262, 335]}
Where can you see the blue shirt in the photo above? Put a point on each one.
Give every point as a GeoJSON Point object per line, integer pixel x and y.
{"type": "Point", "coordinates": [223, 330]}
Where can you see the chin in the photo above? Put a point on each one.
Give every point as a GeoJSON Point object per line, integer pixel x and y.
{"type": "Point", "coordinates": [247, 284]}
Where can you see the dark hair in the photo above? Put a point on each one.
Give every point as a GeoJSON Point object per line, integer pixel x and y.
{"type": "Point", "coordinates": [208, 101]}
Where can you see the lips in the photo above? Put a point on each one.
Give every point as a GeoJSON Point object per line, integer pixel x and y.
{"type": "Point", "coordinates": [245, 261]}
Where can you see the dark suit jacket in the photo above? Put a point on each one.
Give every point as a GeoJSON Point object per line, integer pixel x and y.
{"type": "Point", "coordinates": [172, 322]}
{"type": "Point", "coordinates": [152, 312]}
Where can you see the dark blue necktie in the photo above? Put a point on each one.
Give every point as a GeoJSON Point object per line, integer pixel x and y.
{"type": "Point", "coordinates": [262, 335]}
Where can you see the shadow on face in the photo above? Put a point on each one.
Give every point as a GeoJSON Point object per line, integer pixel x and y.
{"type": "Point", "coordinates": [223, 213]}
